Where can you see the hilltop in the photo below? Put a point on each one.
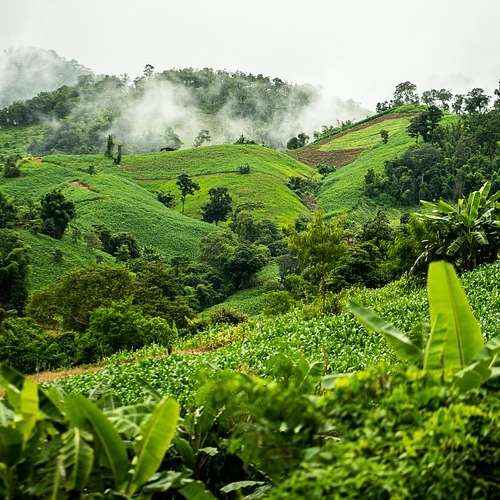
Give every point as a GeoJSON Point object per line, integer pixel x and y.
{"type": "Point", "coordinates": [353, 151]}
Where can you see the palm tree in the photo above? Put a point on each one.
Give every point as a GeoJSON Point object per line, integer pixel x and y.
{"type": "Point", "coordinates": [466, 234]}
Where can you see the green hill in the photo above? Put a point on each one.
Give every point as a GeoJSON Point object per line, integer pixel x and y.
{"type": "Point", "coordinates": [104, 198]}
{"type": "Point", "coordinates": [217, 166]}
{"type": "Point", "coordinates": [123, 198]}
{"type": "Point", "coordinates": [353, 152]}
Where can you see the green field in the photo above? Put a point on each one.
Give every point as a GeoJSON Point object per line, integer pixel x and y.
{"type": "Point", "coordinates": [217, 166]}
{"type": "Point", "coordinates": [342, 191]}
{"type": "Point", "coordinates": [337, 340]}
{"type": "Point", "coordinates": [107, 198]}
{"type": "Point", "coordinates": [366, 137]}
{"type": "Point", "coordinates": [15, 140]}
{"type": "Point", "coordinates": [124, 198]}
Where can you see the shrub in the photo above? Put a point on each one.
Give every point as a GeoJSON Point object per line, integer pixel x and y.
{"type": "Point", "coordinates": [11, 169]}
{"type": "Point", "coordinates": [324, 169]}
{"type": "Point", "coordinates": [279, 302]}
{"type": "Point", "coordinates": [78, 294]}
{"type": "Point", "coordinates": [227, 315]}
{"type": "Point", "coordinates": [244, 169]}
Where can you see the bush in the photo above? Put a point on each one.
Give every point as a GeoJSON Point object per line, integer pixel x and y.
{"type": "Point", "coordinates": [279, 302]}
{"type": "Point", "coordinates": [78, 294]}
{"type": "Point", "coordinates": [324, 169]}
{"type": "Point", "coordinates": [122, 327]}
{"type": "Point", "coordinates": [244, 169]}
{"type": "Point", "coordinates": [227, 315]}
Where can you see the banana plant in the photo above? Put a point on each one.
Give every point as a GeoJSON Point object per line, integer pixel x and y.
{"type": "Point", "coordinates": [467, 233]}
{"type": "Point", "coordinates": [455, 343]}
{"type": "Point", "coordinates": [55, 445]}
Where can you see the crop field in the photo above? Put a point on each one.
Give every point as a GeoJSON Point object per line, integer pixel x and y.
{"type": "Point", "coordinates": [366, 137]}
{"type": "Point", "coordinates": [217, 166]}
{"type": "Point", "coordinates": [337, 341]}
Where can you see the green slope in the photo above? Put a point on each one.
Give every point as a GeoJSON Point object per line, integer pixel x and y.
{"type": "Point", "coordinates": [17, 139]}
{"type": "Point", "coordinates": [343, 190]}
{"type": "Point", "coordinates": [104, 198]}
{"type": "Point", "coordinates": [217, 166]}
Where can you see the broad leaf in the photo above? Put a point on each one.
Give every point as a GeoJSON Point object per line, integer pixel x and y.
{"type": "Point", "coordinates": [472, 376]}
{"type": "Point", "coordinates": [80, 411]}
{"type": "Point", "coordinates": [29, 408]}
{"type": "Point", "coordinates": [77, 458]}
{"type": "Point", "coordinates": [157, 432]}
{"type": "Point", "coordinates": [399, 342]}
{"type": "Point", "coordinates": [436, 344]}
{"type": "Point", "coordinates": [196, 490]}
{"type": "Point", "coordinates": [447, 301]}
{"type": "Point", "coordinates": [11, 446]}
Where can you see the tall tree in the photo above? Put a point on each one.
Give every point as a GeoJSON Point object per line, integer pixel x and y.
{"type": "Point", "coordinates": [187, 187]}
{"type": "Point", "coordinates": [219, 206]}
{"type": "Point", "coordinates": [56, 213]}
{"type": "Point", "coordinates": [476, 101]}
{"type": "Point", "coordinates": [405, 93]}
{"type": "Point", "coordinates": [319, 248]}
{"type": "Point", "coordinates": [202, 137]}
{"type": "Point", "coordinates": [110, 146]}
{"type": "Point", "coordinates": [14, 270]}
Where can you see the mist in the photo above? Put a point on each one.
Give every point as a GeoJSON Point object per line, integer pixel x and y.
{"type": "Point", "coordinates": [26, 71]}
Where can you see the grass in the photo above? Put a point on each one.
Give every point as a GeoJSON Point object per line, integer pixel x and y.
{"type": "Point", "coordinates": [366, 137]}
{"type": "Point", "coordinates": [217, 166]}
{"type": "Point", "coordinates": [342, 191]}
{"type": "Point", "coordinates": [15, 140]}
{"type": "Point", "coordinates": [106, 198]}
{"type": "Point", "coordinates": [252, 301]}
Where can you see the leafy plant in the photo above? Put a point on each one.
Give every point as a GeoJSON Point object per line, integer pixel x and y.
{"type": "Point", "coordinates": [455, 342]}
{"type": "Point", "coordinates": [467, 233]}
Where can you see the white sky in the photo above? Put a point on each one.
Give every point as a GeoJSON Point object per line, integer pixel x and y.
{"type": "Point", "coordinates": [353, 48]}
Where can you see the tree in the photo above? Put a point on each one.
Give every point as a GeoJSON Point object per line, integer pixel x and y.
{"type": "Point", "coordinates": [318, 249]}
{"type": "Point", "coordinates": [405, 93]}
{"type": "Point", "coordinates": [14, 271]}
{"type": "Point", "coordinates": [425, 123]}
{"type": "Point", "coordinates": [458, 103]}
{"type": "Point", "coordinates": [8, 211]}
{"type": "Point", "coordinates": [244, 263]}
{"type": "Point", "coordinates": [219, 206]}
{"type": "Point", "coordinates": [187, 187]}
{"type": "Point", "coordinates": [476, 101]}
{"type": "Point", "coordinates": [117, 160]}
{"type": "Point", "coordinates": [202, 137]}
{"type": "Point", "coordinates": [298, 142]}
{"type": "Point", "coordinates": [166, 198]}
{"type": "Point", "coordinates": [384, 134]}
{"type": "Point", "coordinates": [81, 292]}
{"type": "Point", "coordinates": [56, 213]}
{"type": "Point", "coordinates": [110, 146]}
{"type": "Point", "coordinates": [10, 168]}
{"type": "Point", "coordinates": [465, 234]}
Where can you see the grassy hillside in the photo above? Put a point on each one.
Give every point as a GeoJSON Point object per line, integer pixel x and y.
{"type": "Point", "coordinates": [17, 139]}
{"type": "Point", "coordinates": [217, 166]}
{"type": "Point", "coordinates": [353, 151]}
{"type": "Point", "coordinates": [104, 198]}
{"type": "Point", "coordinates": [343, 190]}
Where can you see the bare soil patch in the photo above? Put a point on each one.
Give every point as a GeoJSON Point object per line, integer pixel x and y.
{"type": "Point", "coordinates": [83, 185]}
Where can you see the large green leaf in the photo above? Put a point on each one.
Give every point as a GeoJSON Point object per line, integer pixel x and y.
{"type": "Point", "coordinates": [77, 458]}
{"type": "Point", "coordinates": [400, 343]}
{"type": "Point", "coordinates": [157, 432]}
{"type": "Point", "coordinates": [11, 445]}
{"type": "Point", "coordinates": [448, 305]}
{"type": "Point", "coordinates": [81, 411]}
{"type": "Point", "coordinates": [436, 344]}
{"type": "Point", "coordinates": [29, 408]}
